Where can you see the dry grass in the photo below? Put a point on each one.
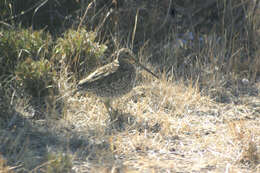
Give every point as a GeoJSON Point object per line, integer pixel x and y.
{"type": "Point", "coordinates": [202, 115]}
{"type": "Point", "coordinates": [3, 167]}
{"type": "Point", "coordinates": [165, 126]}
{"type": "Point", "coordinates": [172, 127]}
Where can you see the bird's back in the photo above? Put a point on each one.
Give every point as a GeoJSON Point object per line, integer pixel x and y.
{"type": "Point", "coordinates": [113, 80]}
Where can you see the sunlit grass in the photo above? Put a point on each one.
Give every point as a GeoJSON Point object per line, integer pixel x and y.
{"type": "Point", "coordinates": [201, 115]}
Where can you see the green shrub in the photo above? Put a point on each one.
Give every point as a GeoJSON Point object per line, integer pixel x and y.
{"type": "Point", "coordinates": [79, 51]}
{"type": "Point", "coordinates": [17, 45]}
{"type": "Point", "coordinates": [36, 77]}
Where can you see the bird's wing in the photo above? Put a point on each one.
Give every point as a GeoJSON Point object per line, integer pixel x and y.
{"type": "Point", "coordinates": [101, 72]}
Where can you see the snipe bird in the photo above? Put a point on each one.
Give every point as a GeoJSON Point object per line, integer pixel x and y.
{"type": "Point", "coordinates": [114, 79]}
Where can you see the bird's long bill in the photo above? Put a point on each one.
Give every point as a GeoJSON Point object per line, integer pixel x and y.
{"type": "Point", "coordinates": [146, 69]}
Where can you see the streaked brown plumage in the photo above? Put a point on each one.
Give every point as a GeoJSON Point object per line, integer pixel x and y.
{"type": "Point", "coordinates": [114, 79]}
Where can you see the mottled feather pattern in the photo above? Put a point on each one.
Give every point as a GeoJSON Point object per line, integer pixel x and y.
{"type": "Point", "coordinates": [101, 72]}
{"type": "Point", "coordinates": [114, 79]}
{"type": "Point", "coordinates": [111, 80]}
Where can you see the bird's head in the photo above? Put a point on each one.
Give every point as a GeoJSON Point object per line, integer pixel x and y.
{"type": "Point", "coordinates": [127, 55]}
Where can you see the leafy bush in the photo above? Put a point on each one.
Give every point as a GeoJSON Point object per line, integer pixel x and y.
{"type": "Point", "coordinates": [35, 76]}
{"type": "Point", "coordinates": [79, 51]}
{"type": "Point", "coordinates": [17, 45]}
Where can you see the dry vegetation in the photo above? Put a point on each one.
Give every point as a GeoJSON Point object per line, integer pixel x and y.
{"type": "Point", "coordinates": [202, 115]}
